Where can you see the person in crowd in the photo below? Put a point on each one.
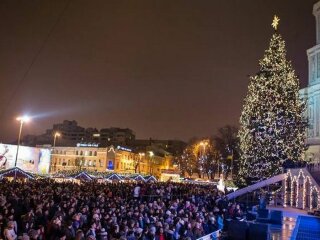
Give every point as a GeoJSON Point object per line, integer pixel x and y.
{"type": "Point", "coordinates": [102, 235]}
{"type": "Point", "coordinates": [79, 235]}
{"type": "Point", "coordinates": [47, 210]}
{"type": "Point", "coordinates": [136, 191]}
{"type": "Point", "coordinates": [92, 230]}
{"type": "Point", "coordinates": [9, 232]}
{"type": "Point", "coordinates": [69, 230]}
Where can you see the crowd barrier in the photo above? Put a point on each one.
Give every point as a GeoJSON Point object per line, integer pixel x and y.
{"type": "Point", "coordinates": [212, 236]}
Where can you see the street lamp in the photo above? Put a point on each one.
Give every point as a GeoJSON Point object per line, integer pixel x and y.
{"type": "Point", "coordinates": [22, 119]}
{"type": "Point", "coordinates": [203, 144]}
{"type": "Point", "coordinates": [151, 154]}
{"type": "Point", "coordinates": [56, 134]}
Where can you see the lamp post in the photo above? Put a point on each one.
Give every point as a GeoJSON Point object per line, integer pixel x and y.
{"type": "Point", "coordinates": [22, 120]}
{"type": "Point", "coordinates": [203, 144]}
{"type": "Point", "coordinates": [151, 154]}
{"type": "Point", "coordinates": [56, 134]}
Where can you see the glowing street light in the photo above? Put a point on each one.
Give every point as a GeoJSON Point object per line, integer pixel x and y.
{"type": "Point", "coordinates": [141, 154]}
{"type": "Point", "coordinates": [56, 134]}
{"type": "Point", "coordinates": [151, 154]}
{"type": "Point", "coordinates": [203, 144]}
{"type": "Point", "coordinates": [22, 119]}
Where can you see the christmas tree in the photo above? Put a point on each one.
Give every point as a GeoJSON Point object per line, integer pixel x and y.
{"type": "Point", "coordinates": [272, 123]}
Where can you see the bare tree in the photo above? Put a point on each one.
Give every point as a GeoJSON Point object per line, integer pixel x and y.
{"type": "Point", "coordinates": [227, 143]}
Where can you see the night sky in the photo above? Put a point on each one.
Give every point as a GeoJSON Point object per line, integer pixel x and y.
{"type": "Point", "coordinates": [169, 69]}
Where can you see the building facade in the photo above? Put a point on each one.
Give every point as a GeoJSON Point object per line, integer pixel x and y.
{"type": "Point", "coordinates": [118, 159]}
{"type": "Point", "coordinates": [116, 135]}
{"type": "Point", "coordinates": [311, 94]}
{"type": "Point", "coordinates": [70, 134]}
{"type": "Point", "coordinates": [78, 158]}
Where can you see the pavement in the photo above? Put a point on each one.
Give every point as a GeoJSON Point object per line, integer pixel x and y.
{"type": "Point", "coordinates": [289, 211]}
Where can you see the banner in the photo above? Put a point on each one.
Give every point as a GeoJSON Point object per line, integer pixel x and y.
{"type": "Point", "coordinates": [30, 159]}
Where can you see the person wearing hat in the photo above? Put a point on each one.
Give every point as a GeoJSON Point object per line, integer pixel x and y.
{"type": "Point", "coordinates": [102, 235]}
{"type": "Point", "coordinates": [79, 235]}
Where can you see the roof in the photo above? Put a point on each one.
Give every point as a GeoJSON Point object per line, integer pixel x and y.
{"type": "Point", "coordinates": [137, 177]}
{"type": "Point", "coordinates": [113, 176]}
{"type": "Point", "coordinates": [150, 178]}
{"type": "Point", "coordinates": [82, 176]}
{"type": "Point", "coordinates": [16, 172]}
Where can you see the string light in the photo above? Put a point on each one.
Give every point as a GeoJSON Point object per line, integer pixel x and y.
{"type": "Point", "coordinates": [307, 191]}
{"type": "Point", "coordinates": [293, 191]}
{"type": "Point", "coordinates": [306, 186]}
{"type": "Point", "coordinates": [272, 122]}
{"type": "Point", "coordinates": [286, 190]}
{"type": "Point", "coordinates": [300, 191]}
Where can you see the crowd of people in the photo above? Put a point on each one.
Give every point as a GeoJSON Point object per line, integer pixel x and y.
{"type": "Point", "coordinates": [47, 210]}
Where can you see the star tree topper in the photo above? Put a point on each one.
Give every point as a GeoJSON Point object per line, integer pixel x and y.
{"type": "Point", "coordinates": [275, 22]}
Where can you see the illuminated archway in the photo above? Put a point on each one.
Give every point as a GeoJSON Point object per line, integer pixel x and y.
{"type": "Point", "coordinates": [307, 190]}
{"type": "Point", "coordinates": [314, 198]}
{"type": "Point", "coordinates": [300, 190]}
{"type": "Point", "coordinates": [293, 199]}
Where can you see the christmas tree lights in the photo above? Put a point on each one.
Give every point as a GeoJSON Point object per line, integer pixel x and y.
{"type": "Point", "coordinates": [272, 123]}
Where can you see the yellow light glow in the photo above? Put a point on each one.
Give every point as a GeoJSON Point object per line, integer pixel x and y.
{"type": "Point", "coordinates": [203, 143]}
{"type": "Point", "coordinates": [275, 22]}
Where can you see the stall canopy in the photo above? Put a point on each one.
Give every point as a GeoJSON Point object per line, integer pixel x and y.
{"type": "Point", "coordinates": [83, 176]}
{"type": "Point", "coordinates": [137, 177]}
{"type": "Point", "coordinates": [15, 172]}
{"type": "Point", "coordinates": [150, 178]}
{"type": "Point", "coordinates": [113, 176]}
